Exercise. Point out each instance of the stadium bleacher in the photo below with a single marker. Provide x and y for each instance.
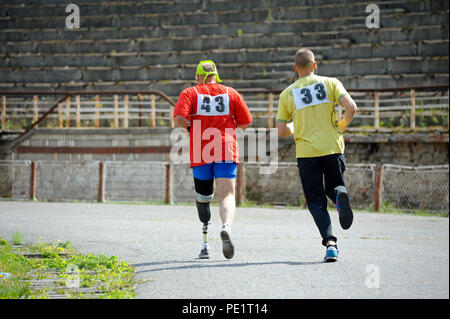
(155, 45)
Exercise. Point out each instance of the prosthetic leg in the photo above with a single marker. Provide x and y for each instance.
(204, 214)
(205, 194)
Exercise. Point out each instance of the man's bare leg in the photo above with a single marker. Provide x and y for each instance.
(227, 200)
(227, 210)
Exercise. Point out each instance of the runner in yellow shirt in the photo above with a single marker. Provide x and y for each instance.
(310, 103)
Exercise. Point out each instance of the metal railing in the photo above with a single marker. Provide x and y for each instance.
(401, 109)
(421, 108)
(69, 112)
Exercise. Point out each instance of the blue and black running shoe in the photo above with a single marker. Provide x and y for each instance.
(331, 254)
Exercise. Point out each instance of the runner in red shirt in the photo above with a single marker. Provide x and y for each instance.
(211, 112)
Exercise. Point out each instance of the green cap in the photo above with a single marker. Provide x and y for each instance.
(201, 71)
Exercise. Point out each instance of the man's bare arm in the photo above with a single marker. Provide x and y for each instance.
(181, 121)
(244, 126)
(284, 129)
(350, 111)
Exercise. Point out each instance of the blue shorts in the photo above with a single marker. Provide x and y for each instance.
(214, 170)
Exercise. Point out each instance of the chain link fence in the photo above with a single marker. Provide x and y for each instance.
(402, 187)
(15, 179)
(284, 187)
(415, 188)
(183, 190)
(281, 188)
(360, 184)
(67, 181)
(135, 181)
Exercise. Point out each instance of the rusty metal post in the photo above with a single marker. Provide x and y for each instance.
(448, 103)
(101, 187)
(270, 115)
(378, 188)
(413, 109)
(116, 111)
(168, 198)
(97, 106)
(377, 110)
(153, 114)
(33, 181)
(35, 108)
(125, 106)
(68, 112)
(140, 110)
(78, 115)
(4, 112)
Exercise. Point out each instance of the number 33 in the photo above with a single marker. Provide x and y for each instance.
(319, 90)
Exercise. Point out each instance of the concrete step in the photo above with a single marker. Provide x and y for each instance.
(174, 87)
(373, 67)
(239, 55)
(357, 32)
(243, 41)
(243, 71)
(334, 12)
(46, 8)
(42, 8)
(163, 44)
(300, 25)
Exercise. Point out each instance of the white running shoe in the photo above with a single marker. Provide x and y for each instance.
(227, 244)
(204, 252)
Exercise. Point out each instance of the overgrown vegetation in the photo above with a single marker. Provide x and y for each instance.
(19, 267)
(68, 274)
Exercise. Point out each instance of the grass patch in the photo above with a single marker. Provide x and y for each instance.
(17, 238)
(19, 267)
(68, 273)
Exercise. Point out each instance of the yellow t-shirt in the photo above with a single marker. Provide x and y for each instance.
(310, 102)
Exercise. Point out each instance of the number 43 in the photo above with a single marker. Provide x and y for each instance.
(206, 104)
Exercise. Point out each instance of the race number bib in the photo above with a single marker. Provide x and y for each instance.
(213, 105)
(310, 95)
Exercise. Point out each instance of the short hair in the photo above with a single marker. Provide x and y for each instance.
(304, 58)
(208, 67)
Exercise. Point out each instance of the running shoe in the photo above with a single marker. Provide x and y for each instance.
(227, 245)
(204, 252)
(331, 254)
(344, 210)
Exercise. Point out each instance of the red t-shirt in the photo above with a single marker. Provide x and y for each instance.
(214, 111)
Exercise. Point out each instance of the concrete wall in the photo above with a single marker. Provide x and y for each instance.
(149, 45)
(154, 145)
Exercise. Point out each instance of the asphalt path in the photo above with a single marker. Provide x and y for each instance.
(278, 251)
